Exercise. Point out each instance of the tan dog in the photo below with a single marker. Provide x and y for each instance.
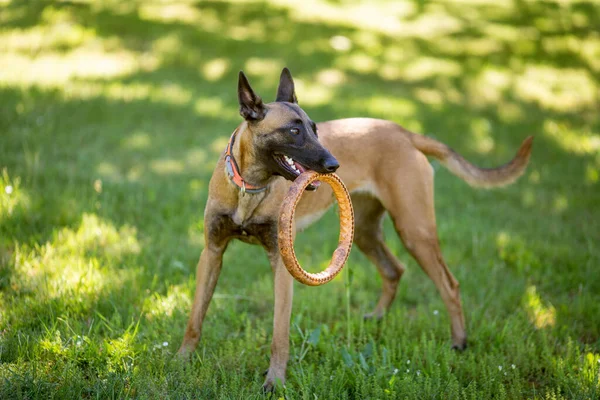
(384, 167)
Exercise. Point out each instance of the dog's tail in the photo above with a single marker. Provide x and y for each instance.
(473, 175)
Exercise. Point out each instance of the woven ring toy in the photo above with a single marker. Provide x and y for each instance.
(286, 227)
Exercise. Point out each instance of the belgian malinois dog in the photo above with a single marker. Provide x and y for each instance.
(384, 167)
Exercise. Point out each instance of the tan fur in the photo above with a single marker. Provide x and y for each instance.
(385, 168)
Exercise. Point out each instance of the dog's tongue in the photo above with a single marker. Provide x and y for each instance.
(300, 168)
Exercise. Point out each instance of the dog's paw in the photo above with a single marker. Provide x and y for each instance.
(268, 387)
(273, 381)
(184, 354)
(375, 316)
(462, 346)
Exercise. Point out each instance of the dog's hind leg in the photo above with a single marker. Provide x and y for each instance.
(425, 248)
(368, 236)
(409, 200)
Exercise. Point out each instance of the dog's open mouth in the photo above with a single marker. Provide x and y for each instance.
(294, 168)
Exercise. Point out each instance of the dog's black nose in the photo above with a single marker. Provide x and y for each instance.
(331, 164)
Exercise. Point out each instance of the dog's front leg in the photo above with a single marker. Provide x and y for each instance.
(280, 346)
(207, 274)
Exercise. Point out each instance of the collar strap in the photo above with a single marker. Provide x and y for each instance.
(233, 171)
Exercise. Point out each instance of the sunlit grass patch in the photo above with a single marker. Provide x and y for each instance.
(592, 369)
(540, 315)
(425, 67)
(166, 166)
(182, 12)
(483, 138)
(331, 77)
(314, 93)
(490, 85)
(388, 107)
(592, 173)
(573, 140)
(382, 19)
(98, 237)
(51, 69)
(158, 306)
(214, 70)
(213, 107)
(13, 197)
(72, 266)
(516, 252)
(137, 140)
(559, 90)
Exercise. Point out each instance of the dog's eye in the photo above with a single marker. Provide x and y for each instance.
(294, 131)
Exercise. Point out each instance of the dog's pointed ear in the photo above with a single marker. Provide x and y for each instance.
(251, 105)
(286, 91)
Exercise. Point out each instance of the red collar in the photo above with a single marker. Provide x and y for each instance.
(233, 170)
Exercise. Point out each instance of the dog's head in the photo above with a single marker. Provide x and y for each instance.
(284, 138)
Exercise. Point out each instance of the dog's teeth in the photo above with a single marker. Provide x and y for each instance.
(291, 163)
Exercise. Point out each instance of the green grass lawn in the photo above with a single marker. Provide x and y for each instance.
(113, 116)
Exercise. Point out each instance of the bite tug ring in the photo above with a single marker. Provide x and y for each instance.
(286, 227)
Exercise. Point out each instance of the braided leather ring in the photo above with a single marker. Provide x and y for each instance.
(286, 226)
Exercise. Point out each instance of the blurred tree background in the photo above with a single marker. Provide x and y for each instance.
(113, 115)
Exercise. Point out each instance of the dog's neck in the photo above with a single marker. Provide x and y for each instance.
(251, 172)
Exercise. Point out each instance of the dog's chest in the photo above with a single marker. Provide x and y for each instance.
(253, 220)
(255, 232)
(246, 207)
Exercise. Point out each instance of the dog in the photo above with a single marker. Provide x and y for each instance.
(384, 167)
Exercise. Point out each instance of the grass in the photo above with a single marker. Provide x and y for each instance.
(113, 116)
